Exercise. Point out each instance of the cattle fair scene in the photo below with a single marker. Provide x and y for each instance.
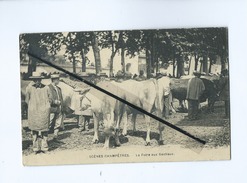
(125, 96)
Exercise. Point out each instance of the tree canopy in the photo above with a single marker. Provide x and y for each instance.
(160, 46)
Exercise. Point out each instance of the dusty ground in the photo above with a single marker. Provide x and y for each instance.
(213, 128)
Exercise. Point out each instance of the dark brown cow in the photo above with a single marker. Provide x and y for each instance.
(179, 91)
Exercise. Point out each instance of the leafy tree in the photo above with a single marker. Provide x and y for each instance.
(113, 40)
(43, 45)
(77, 47)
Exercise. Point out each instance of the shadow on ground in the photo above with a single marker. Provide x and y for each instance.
(143, 134)
(26, 144)
(56, 143)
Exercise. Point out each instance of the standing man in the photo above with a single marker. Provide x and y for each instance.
(82, 111)
(37, 99)
(56, 100)
(164, 83)
(195, 90)
(224, 91)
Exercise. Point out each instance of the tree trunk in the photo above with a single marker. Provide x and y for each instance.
(111, 65)
(148, 63)
(157, 66)
(196, 62)
(32, 64)
(180, 68)
(174, 66)
(152, 54)
(113, 52)
(189, 64)
(210, 66)
(111, 60)
(201, 65)
(83, 64)
(122, 43)
(96, 52)
(223, 62)
(73, 63)
(123, 60)
(205, 64)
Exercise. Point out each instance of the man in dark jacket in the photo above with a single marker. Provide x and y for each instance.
(56, 100)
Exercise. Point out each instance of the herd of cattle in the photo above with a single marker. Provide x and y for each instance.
(147, 94)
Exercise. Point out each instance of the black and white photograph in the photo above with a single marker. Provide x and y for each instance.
(123, 91)
(125, 96)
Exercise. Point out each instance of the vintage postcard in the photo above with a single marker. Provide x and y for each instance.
(125, 96)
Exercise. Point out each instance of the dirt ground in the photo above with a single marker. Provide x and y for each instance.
(214, 128)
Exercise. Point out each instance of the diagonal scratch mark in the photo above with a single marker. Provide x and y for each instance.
(120, 99)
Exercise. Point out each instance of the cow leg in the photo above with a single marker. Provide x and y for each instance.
(161, 129)
(211, 105)
(117, 141)
(125, 123)
(96, 129)
(147, 119)
(107, 142)
(109, 127)
(186, 105)
(133, 119)
(172, 107)
(181, 103)
(118, 120)
(164, 108)
(161, 126)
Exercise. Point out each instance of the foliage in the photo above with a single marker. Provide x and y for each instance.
(160, 46)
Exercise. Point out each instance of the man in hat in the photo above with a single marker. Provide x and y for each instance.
(141, 76)
(37, 99)
(56, 100)
(224, 91)
(165, 83)
(194, 91)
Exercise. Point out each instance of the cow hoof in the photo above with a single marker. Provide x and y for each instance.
(161, 142)
(117, 145)
(95, 141)
(147, 144)
(124, 134)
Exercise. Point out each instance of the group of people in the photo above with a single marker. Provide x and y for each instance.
(46, 113)
(45, 110)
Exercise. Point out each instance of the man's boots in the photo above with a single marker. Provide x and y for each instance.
(35, 141)
(44, 142)
(56, 134)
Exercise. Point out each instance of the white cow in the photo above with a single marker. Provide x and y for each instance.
(148, 95)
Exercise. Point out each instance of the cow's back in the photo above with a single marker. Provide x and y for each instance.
(100, 100)
(179, 88)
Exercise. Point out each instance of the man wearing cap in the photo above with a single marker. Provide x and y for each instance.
(37, 99)
(194, 91)
(56, 100)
